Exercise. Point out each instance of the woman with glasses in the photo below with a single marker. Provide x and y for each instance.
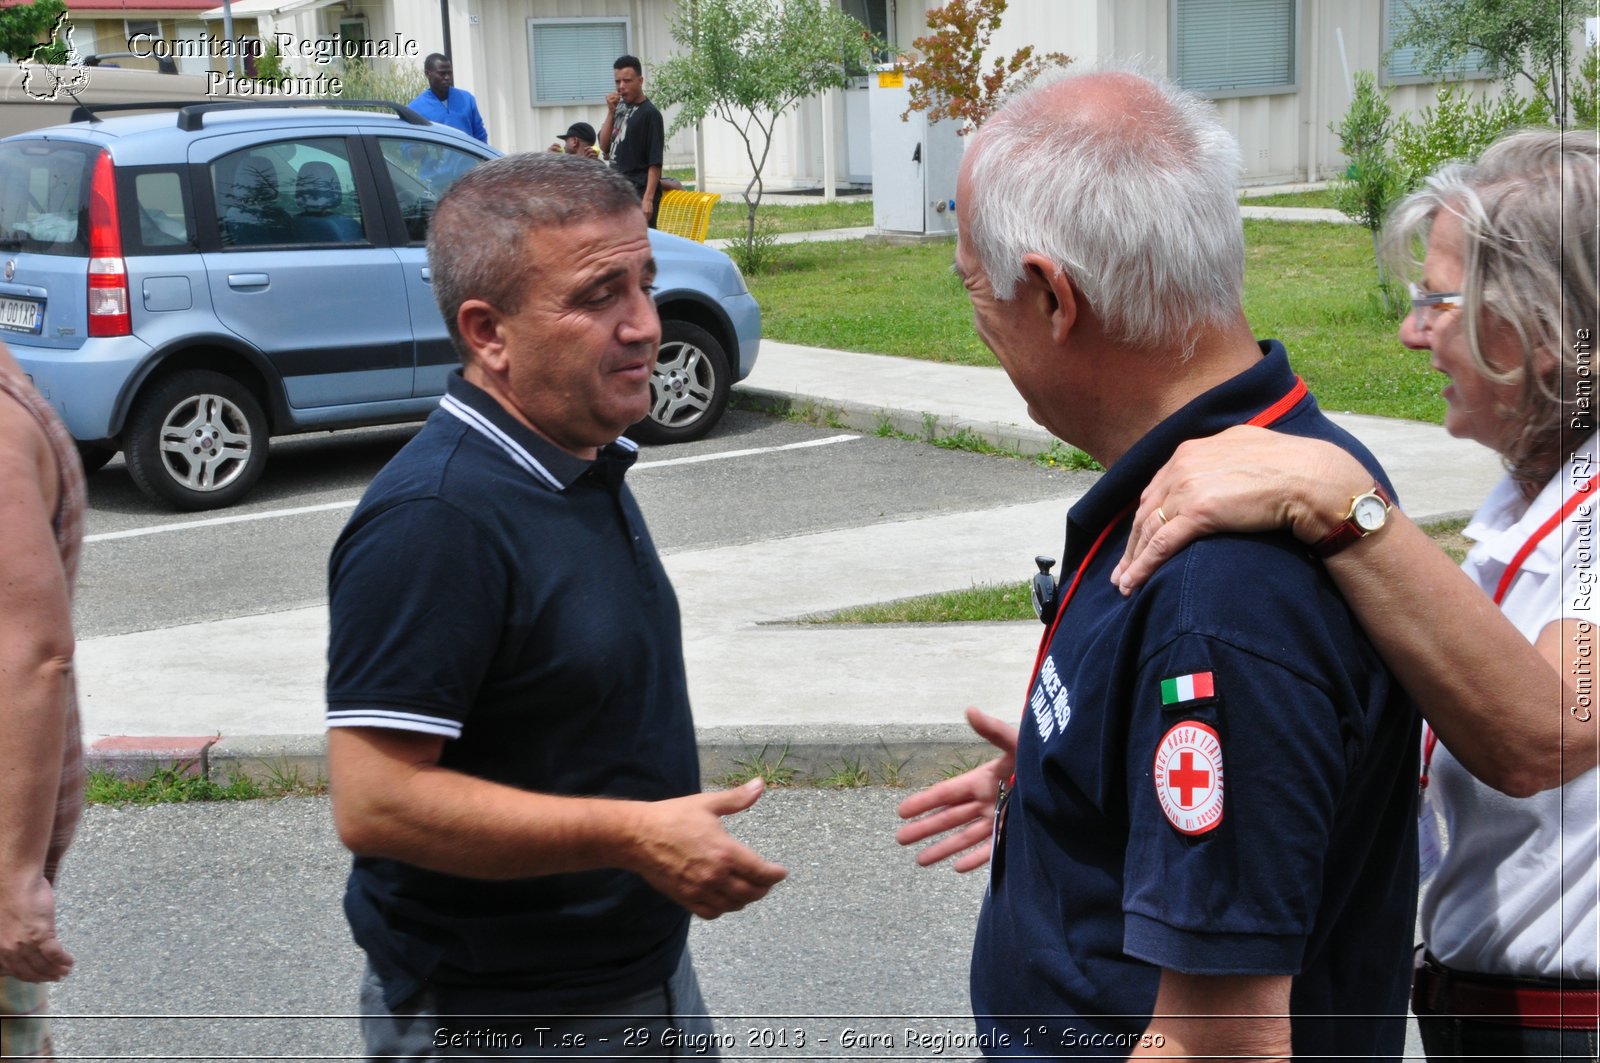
(1500, 654)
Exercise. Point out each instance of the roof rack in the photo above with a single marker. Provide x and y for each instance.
(191, 112)
(192, 116)
(89, 112)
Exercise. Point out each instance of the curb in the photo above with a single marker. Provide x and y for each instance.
(861, 417)
(887, 754)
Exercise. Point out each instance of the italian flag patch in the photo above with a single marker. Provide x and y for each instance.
(1191, 687)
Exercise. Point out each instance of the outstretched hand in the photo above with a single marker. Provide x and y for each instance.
(29, 949)
(1245, 479)
(687, 855)
(963, 805)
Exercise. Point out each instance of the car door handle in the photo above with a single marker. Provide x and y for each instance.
(427, 275)
(247, 280)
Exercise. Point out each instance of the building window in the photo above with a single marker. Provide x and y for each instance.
(1234, 47)
(572, 58)
(1403, 66)
(875, 16)
(354, 29)
(149, 27)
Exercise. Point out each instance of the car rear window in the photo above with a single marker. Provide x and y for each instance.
(44, 196)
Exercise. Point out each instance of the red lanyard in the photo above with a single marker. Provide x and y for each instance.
(1266, 417)
(1583, 491)
(1509, 576)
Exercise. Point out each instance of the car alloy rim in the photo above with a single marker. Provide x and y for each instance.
(205, 442)
(683, 380)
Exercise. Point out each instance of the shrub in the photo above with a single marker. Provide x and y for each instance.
(948, 79)
(1459, 126)
(1586, 92)
(270, 66)
(394, 80)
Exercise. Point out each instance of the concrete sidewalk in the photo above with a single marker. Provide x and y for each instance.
(885, 696)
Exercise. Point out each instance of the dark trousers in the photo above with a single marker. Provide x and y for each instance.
(1445, 1002)
(667, 1022)
(1453, 1037)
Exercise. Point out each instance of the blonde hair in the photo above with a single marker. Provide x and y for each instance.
(1529, 211)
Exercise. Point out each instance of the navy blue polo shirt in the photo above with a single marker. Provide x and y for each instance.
(497, 591)
(1215, 775)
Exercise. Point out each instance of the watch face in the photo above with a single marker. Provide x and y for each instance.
(1370, 513)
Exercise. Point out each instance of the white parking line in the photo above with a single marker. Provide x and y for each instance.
(743, 453)
(212, 522)
(271, 514)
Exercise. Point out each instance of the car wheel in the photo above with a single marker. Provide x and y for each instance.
(198, 440)
(689, 388)
(94, 457)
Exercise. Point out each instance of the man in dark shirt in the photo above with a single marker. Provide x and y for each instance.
(633, 135)
(512, 755)
(1204, 843)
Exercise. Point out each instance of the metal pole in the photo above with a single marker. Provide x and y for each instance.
(444, 24)
(227, 34)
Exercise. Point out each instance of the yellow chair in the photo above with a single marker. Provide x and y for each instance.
(684, 213)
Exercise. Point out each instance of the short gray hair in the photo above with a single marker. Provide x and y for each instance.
(1529, 211)
(1139, 208)
(478, 239)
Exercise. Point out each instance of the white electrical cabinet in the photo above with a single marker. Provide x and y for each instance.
(914, 162)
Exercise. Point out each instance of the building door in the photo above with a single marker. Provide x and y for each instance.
(192, 59)
(878, 17)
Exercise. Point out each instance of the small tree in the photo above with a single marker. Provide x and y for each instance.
(1373, 182)
(23, 25)
(948, 79)
(748, 61)
(1527, 37)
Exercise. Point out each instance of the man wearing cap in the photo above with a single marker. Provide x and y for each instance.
(577, 140)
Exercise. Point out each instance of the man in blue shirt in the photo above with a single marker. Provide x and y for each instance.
(510, 747)
(446, 104)
(1202, 840)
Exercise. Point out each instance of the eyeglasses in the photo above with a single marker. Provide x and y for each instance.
(1426, 304)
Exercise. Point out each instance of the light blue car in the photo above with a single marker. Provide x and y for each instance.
(182, 285)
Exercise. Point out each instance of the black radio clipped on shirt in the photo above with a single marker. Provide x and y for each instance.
(1044, 590)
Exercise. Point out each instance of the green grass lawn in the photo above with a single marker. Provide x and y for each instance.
(1310, 285)
(1320, 198)
(728, 216)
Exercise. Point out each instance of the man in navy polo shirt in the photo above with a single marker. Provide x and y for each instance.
(512, 756)
(1212, 806)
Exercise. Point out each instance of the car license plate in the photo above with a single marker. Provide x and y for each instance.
(21, 315)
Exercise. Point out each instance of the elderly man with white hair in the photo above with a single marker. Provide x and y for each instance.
(1202, 841)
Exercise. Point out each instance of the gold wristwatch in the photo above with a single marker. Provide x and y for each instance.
(1369, 512)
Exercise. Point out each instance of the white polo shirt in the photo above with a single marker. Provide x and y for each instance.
(1516, 890)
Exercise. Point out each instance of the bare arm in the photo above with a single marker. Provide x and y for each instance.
(392, 799)
(651, 182)
(964, 805)
(1188, 1022)
(606, 127)
(36, 649)
(1497, 701)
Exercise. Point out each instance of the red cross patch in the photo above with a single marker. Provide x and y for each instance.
(1188, 772)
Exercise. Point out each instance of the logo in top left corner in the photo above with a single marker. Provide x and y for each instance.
(56, 67)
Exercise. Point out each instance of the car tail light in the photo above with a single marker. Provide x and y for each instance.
(108, 273)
